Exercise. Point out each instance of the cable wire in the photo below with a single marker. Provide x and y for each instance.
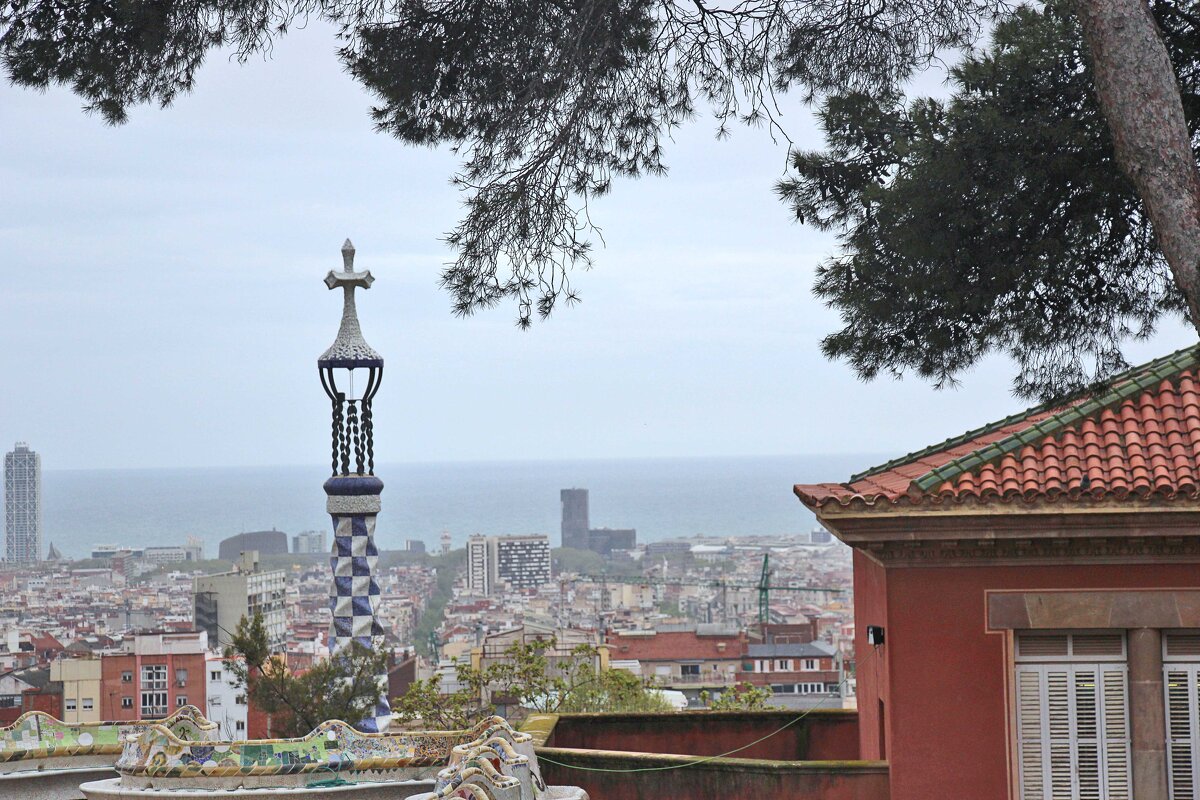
(699, 760)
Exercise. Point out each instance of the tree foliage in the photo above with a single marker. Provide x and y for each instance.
(740, 697)
(547, 101)
(344, 687)
(424, 704)
(536, 676)
(447, 566)
(997, 220)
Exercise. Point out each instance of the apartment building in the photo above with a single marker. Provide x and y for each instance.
(309, 543)
(222, 600)
(226, 701)
(156, 674)
(507, 562)
(81, 681)
(800, 675)
(690, 659)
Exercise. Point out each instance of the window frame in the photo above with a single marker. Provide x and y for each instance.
(155, 703)
(1072, 727)
(154, 677)
(1181, 711)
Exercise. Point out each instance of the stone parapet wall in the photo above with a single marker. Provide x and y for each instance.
(612, 774)
(814, 735)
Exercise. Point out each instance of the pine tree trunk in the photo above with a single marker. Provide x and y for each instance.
(1140, 98)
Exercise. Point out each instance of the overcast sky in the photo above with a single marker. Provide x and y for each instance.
(162, 303)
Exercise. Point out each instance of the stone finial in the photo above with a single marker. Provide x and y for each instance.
(349, 350)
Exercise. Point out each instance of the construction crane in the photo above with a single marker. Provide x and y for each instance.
(763, 587)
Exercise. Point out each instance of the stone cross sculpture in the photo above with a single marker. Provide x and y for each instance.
(353, 490)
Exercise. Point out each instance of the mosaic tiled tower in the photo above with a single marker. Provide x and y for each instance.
(353, 490)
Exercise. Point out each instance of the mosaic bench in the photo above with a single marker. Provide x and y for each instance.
(331, 758)
(497, 767)
(38, 741)
(489, 761)
(43, 758)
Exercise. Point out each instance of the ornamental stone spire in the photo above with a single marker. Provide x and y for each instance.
(353, 490)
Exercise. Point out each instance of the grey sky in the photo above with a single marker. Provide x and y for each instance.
(162, 302)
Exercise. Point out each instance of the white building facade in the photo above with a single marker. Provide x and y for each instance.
(513, 562)
(226, 701)
(478, 566)
(309, 543)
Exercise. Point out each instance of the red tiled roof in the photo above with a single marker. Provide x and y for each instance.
(676, 646)
(44, 641)
(1141, 437)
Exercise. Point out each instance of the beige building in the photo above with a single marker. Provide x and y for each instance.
(80, 679)
(221, 600)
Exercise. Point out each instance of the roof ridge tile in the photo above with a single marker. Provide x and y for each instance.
(1193, 356)
(1130, 384)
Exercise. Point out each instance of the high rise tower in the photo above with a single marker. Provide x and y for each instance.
(574, 518)
(353, 490)
(22, 505)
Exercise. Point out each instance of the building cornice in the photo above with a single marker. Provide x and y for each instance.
(1034, 552)
(1095, 533)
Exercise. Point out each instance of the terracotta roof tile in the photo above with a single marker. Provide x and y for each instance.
(677, 645)
(1141, 436)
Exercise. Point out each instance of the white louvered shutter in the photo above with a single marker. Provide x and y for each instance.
(1029, 733)
(1118, 774)
(1181, 694)
(1180, 689)
(1073, 718)
(1058, 719)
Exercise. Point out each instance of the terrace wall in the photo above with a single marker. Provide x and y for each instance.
(820, 735)
(633, 756)
(609, 774)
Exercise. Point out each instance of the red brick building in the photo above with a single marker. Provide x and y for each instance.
(159, 673)
(697, 656)
(29, 689)
(47, 697)
(1027, 599)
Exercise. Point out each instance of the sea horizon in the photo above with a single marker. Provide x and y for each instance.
(662, 497)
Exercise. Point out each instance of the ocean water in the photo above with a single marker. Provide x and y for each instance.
(661, 498)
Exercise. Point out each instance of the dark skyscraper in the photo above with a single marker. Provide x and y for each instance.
(575, 518)
(576, 530)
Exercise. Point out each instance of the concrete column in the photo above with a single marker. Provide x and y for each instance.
(1147, 724)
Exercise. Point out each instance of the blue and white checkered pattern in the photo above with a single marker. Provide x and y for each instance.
(355, 600)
